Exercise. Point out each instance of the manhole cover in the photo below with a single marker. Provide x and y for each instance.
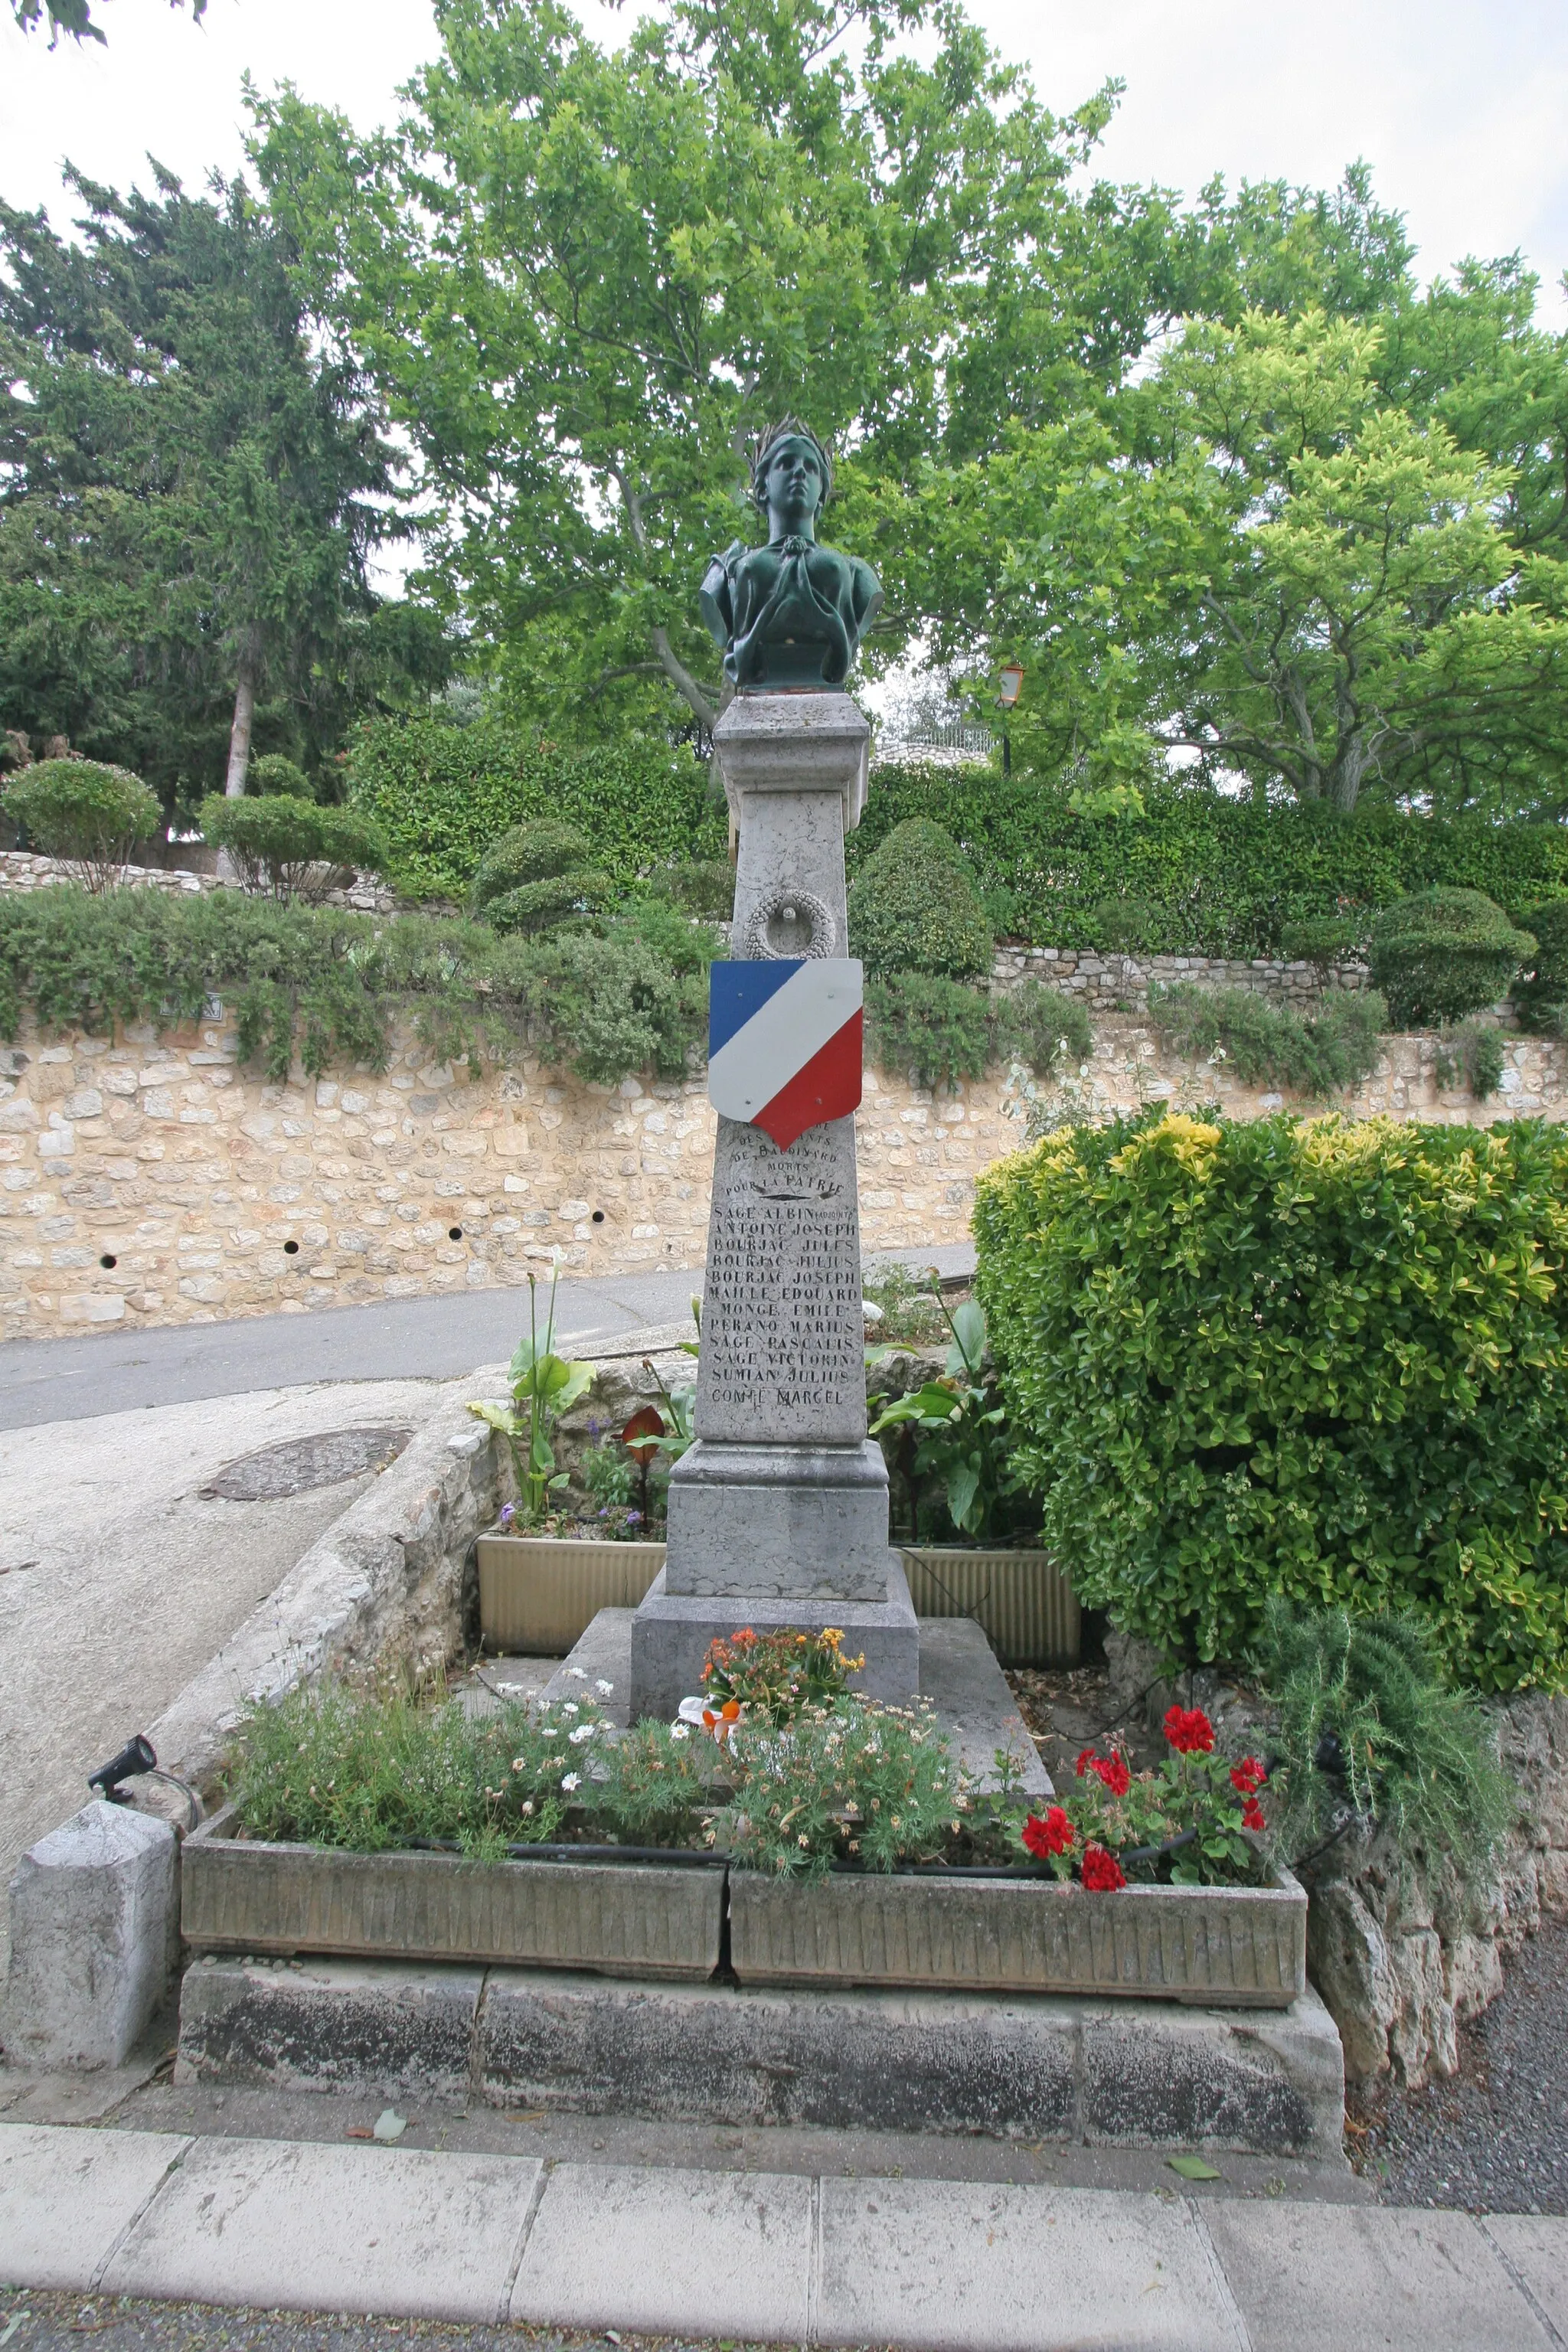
(301, 1463)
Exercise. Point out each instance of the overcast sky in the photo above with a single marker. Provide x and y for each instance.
(1458, 105)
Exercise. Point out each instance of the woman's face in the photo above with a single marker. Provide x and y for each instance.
(793, 483)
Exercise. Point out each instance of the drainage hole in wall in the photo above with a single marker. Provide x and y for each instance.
(454, 1233)
(109, 1262)
(598, 1216)
(290, 1249)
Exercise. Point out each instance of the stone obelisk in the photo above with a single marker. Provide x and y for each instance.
(778, 1514)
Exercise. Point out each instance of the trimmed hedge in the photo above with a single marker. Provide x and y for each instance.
(442, 794)
(1442, 954)
(289, 848)
(1303, 1357)
(913, 909)
(1225, 877)
(89, 815)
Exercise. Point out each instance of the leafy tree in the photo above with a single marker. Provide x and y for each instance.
(187, 488)
(588, 278)
(1262, 560)
(75, 17)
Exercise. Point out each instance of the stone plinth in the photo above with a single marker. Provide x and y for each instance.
(94, 1932)
(778, 1515)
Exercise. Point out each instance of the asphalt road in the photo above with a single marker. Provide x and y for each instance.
(408, 1339)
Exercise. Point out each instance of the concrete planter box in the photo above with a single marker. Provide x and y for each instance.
(1021, 1600)
(1220, 1946)
(539, 1595)
(615, 1918)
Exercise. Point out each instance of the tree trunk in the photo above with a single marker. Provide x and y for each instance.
(239, 733)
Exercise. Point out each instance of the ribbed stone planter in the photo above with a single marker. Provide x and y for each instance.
(539, 1595)
(1021, 1600)
(1221, 1946)
(615, 1918)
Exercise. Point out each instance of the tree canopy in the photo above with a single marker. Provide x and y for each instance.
(75, 17)
(191, 483)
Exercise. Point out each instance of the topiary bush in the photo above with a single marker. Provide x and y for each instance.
(537, 876)
(1541, 999)
(1442, 954)
(88, 815)
(915, 909)
(286, 848)
(1302, 1356)
(1267, 1043)
(936, 1030)
(698, 886)
(271, 772)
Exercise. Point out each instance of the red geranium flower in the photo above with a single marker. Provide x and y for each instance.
(1101, 1872)
(1248, 1776)
(1189, 1731)
(1053, 1835)
(1113, 1772)
(1084, 1762)
(1252, 1815)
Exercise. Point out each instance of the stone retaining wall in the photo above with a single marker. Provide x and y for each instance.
(20, 871)
(215, 1194)
(1121, 983)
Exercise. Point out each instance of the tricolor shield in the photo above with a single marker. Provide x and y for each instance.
(784, 1041)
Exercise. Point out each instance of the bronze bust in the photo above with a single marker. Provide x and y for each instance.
(791, 613)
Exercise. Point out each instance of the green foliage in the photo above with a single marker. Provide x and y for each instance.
(1040, 1026)
(1541, 999)
(88, 815)
(1440, 954)
(959, 1425)
(544, 1386)
(274, 771)
(1224, 875)
(701, 886)
(1471, 1055)
(541, 906)
(540, 852)
(1268, 1044)
(937, 1029)
(604, 1006)
(443, 794)
(855, 1781)
(910, 1304)
(1313, 1358)
(1123, 925)
(1323, 940)
(287, 849)
(1365, 1722)
(913, 909)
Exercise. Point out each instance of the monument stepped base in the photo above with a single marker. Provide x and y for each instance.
(952, 1664)
(1096, 2073)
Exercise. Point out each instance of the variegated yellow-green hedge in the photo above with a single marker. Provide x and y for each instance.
(1307, 1357)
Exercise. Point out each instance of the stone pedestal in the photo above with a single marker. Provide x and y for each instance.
(778, 1515)
(94, 1935)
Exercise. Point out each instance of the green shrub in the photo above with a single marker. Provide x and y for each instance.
(1040, 1026)
(286, 848)
(1323, 941)
(1307, 1357)
(272, 772)
(1542, 999)
(609, 1004)
(1364, 1723)
(88, 815)
(541, 906)
(1226, 875)
(1471, 1056)
(938, 1030)
(1268, 1044)
(1442, 954)
(442, 793)
(1126, 926)
(539, 852)
(914, 908)
(701, 886)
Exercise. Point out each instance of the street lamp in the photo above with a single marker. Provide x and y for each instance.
(1011, 687)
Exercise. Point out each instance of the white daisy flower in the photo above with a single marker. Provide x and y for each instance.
(584, 1731)
(604, 1689)
(681, 1731)
(572, 1781)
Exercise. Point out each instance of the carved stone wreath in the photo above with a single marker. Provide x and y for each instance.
(804, 904)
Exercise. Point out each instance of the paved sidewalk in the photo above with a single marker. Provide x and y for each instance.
(414, 1338)
(770, 2257)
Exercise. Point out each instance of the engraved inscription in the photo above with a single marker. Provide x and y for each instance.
(782, 1331)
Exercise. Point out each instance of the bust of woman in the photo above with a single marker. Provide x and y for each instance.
(790, 614)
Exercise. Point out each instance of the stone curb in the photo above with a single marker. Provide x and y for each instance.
(936, 2266)
(384, 1582)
